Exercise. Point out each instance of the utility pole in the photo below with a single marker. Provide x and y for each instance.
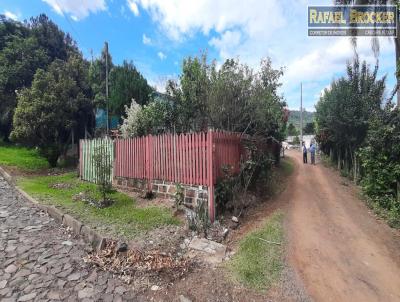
(106, 49)
(91, 54)
(301, 115)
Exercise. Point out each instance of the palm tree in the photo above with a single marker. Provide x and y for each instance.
(375, 40)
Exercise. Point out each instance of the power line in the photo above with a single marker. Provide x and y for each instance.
(65, 15)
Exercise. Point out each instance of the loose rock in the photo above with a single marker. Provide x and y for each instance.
(11, 269)
(155, 287)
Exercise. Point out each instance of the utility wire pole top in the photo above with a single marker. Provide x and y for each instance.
(106, 49)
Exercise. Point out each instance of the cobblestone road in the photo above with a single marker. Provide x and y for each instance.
(40, 262)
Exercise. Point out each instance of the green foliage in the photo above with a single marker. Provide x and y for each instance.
(258, 263)
(309, 128)
(153, 118)
(233, 98)
(380, 158)
(22, 158)
(126, 83)
(291, 130)
(343, 111)
(199, 220)
(294, 118)
(24, 48)
(122, 218)
(97, 78)
(231, 190)
(357, 133)
(57, 103)
(103, 172)
(179, 196)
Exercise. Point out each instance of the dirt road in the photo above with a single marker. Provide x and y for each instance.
(336, 246)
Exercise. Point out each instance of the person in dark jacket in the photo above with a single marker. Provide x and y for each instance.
(304, 153)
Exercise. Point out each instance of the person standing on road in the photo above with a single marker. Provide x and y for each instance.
(304, 153)
(312, 152)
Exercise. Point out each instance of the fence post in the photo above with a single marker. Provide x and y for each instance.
(149, 164)
(210, 175)
(80, 159)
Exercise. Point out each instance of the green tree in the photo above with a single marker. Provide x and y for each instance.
(25, 47)
(291, 130)
(19, 60)
(126, 83)
(380, 161)
(158, 116)
(232, 98)
(54, 41)
(343, 112)
(309, 128)
(375, 40)
(192, 93)
(53, 107)
(103, 175)
(97, 78)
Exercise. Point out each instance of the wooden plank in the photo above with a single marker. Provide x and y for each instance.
(210, 176)
(168, 140)
(185, 144)
(189, 151)
(196, 157)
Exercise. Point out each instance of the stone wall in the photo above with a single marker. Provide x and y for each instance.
(193, 195)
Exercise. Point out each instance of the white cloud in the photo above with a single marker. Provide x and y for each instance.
(235, 28)
(324, 62)
(161, 55)
(327, 60)
(77, 9)
(254, 29)
(181, 17)
(228, 41)
(11, 15)
(133, 7)
(146, 40)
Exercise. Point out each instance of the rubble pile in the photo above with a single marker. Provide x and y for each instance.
(131, 262)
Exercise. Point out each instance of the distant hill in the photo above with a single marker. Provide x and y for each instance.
(294, 117)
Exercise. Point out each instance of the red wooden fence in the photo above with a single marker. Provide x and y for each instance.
(193, 158)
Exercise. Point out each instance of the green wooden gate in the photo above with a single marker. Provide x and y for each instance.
(87, 166)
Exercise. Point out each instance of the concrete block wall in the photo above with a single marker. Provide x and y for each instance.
(193, 195)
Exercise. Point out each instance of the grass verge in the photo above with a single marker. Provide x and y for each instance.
(277, 182)
(258, 264)
(287, 166)
(122, 218)
(22, 158)
(392, 217)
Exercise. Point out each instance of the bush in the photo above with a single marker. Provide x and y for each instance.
(380, 162)
(236, 192)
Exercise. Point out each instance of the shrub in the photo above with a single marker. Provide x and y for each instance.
(103, 174)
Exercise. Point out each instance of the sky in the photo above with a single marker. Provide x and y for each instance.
(156, 35)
